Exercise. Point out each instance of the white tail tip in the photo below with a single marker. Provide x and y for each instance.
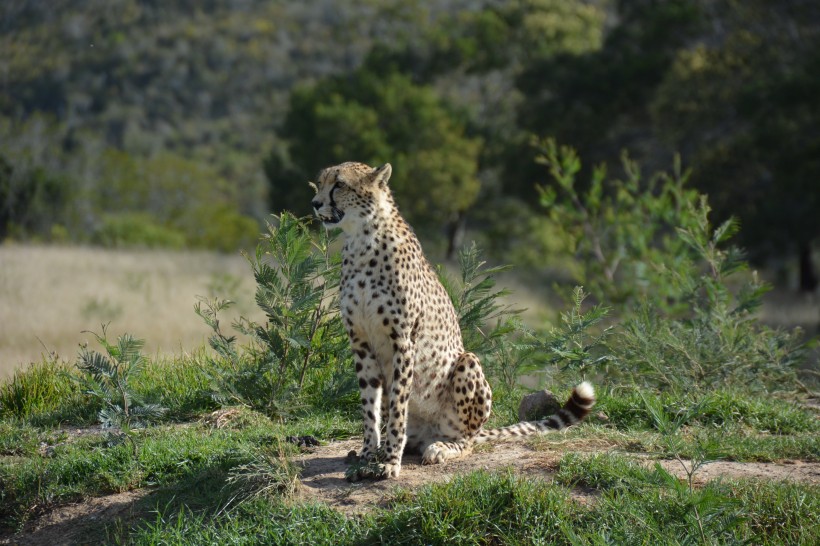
(585, 390)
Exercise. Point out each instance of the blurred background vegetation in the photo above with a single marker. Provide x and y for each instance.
(183, 123)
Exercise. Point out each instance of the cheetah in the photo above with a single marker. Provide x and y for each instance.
(418, 386)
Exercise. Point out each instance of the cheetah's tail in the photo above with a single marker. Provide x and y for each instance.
(577, 407)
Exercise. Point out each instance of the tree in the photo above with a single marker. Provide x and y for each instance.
(745, 110)
(376, 118)
(595, 100)
(31, 200)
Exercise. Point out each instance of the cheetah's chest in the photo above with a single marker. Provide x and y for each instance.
(371, 302)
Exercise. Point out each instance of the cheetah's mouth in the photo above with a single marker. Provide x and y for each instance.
(335, 217)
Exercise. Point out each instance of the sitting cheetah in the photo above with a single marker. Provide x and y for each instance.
(414, 375)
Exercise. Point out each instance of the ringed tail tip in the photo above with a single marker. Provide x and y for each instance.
(586, 390)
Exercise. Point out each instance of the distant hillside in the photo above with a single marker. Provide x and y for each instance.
(101, 97)
(198, 77)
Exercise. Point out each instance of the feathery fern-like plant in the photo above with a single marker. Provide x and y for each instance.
(300, 355)
(107, 378)
(490, 328)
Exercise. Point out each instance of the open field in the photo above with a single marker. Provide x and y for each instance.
(50, 294)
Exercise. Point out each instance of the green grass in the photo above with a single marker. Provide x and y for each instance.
(18, 439)
(204, 483)
(628, 410)
(171, 456)
(167, 457)
(44, 394)
(633, 506)
(726, 443)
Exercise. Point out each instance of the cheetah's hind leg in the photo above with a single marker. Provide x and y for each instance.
(472, 399)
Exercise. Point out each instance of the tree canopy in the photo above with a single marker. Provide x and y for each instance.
(377, 118)
(255, 96)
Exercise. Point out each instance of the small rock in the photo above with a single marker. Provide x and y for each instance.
(352, 457)
(47, 450)
(538, 405)
(303, 441)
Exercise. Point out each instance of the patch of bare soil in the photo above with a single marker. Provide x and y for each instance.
(78, 523)
(323, 474)
(322, 480)
(798, 471)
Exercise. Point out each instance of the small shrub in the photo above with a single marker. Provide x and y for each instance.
(684, 297)
(507, 348)
(107, 379)
(616, 229)
(301, 354)
(717, 342)
(489, 328)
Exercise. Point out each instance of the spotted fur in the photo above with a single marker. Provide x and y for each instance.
(420, 391)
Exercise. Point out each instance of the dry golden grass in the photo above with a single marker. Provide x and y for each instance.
(49, 295)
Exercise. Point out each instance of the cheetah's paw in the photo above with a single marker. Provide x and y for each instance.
(434, 454)
(372, 470)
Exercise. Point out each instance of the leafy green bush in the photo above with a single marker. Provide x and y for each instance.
(301, 354)
(717, 341)
(136, 229)
(684, 298)
(489, 328)
(617, 229)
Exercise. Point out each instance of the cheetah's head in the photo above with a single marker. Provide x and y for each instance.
(351, 194)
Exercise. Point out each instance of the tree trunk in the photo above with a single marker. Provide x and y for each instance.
(455, 233)
(808, 277)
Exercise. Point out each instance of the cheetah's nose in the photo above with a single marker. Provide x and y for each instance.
(316, 204)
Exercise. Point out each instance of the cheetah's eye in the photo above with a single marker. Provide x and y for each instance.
(338, 185)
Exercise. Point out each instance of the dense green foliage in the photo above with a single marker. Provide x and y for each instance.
(122, 111)
(295, 357)
(377, 117)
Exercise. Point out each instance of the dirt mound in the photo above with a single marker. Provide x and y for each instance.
(323, 474)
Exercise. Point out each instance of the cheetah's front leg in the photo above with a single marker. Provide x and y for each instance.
(397, 400)
(370, 390)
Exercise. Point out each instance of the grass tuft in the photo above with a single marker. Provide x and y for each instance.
(269, 473)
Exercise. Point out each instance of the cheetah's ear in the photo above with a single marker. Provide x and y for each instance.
(381, 175)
